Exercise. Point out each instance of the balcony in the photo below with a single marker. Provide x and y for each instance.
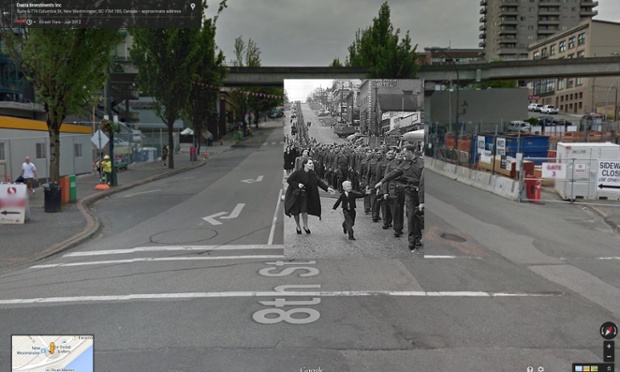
(508, 31)
(509, 11)
(547, 31)
(483, 2)
(483, 19)
(588, 12)
(483, 10)
(482, 36)
(550, 11)
(483, 27)
(548, 21)
(508, 21)
(482, 44)
(587, 3)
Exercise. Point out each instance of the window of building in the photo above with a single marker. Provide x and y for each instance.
(571, 42)
(552, 50)
(41, 152)
(581, 54)
(2, 156)
(562, 46)
(536, 55)
(560, 84)
(580, 105)
(561, 98)
(580, 95)
(581, 38)
(579, 81)
(530, 28)
(543, 53)
(571, 95)
(570, 55)
(77, 150)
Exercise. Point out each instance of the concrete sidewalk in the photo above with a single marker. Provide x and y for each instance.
(49, 233)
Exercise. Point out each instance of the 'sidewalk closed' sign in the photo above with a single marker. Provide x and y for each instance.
(13, 203)
(608, 175)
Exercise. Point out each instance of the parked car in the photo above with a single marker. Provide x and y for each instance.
(549, 109)
(546, 121)
(538, 107)
(519, 126)
(532, 106)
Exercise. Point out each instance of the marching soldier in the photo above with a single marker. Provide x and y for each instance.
(411, 172)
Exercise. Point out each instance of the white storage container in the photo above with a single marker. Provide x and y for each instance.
(584, 169)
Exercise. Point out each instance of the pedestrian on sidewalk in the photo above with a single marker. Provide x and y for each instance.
(29, 174)
(347, 198)
(106, 167)
(302, 195)
(164, 154)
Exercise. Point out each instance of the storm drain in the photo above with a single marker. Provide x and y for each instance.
(453, 237)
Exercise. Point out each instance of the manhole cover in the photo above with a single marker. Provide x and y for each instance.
(453, 237)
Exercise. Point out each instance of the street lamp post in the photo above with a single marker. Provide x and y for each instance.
(458, 98)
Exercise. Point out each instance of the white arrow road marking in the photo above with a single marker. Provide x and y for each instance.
(211, 219)
(250, 180)
(235, 213)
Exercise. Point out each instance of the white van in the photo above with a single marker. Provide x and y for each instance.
(519, 126)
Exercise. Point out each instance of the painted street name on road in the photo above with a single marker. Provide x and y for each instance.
(276, 314)
(259, 179)
(608, 175)
(234, 214)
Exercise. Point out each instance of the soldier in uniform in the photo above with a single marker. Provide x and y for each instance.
(373, 178)
(386, 208)
(411, 172)
(363, 172)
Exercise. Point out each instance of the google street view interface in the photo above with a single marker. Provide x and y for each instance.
(47, 353)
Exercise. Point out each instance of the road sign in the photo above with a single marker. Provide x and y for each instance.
(580, 171)
(501, 146)
(99, 139)
(13, 203)
(554, 170)
(608, 175)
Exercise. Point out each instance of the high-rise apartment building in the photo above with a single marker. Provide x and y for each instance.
(508, 26)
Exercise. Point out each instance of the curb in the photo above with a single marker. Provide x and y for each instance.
(92, 221)
(606, 218)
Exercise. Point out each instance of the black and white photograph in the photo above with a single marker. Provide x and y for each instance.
(364, 139)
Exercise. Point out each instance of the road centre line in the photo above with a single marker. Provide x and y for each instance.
(275, 219)
(174, 248)
(245, 294)
(154, 259)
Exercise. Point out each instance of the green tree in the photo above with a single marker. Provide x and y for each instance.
(65, 67)
(379, 49)
(166, 61)
(211, 71)
(336, 63)
(252, 99)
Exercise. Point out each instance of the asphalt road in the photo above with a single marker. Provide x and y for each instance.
(503, 286)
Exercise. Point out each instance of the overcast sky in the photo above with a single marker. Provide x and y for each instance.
(314, 32)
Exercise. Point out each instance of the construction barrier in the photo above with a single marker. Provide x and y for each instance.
(501, 186)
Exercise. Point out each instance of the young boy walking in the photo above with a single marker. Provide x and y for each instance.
(347, 198)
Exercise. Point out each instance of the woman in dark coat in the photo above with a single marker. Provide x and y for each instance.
(302, 195)
(289, 159)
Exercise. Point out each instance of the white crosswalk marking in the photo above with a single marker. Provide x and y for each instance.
(191, 295)
(216, 252)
